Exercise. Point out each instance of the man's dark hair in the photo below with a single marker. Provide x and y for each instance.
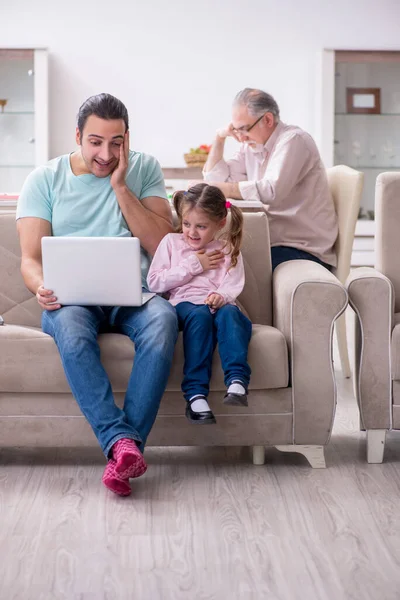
(103, 106)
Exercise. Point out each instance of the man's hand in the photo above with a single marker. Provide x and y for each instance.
(214, 301)
(46, 299)
(211, 260)
(119, 174)
(227, 131)
(217, 149)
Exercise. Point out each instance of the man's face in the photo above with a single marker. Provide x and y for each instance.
(100, 144)
(243, 121)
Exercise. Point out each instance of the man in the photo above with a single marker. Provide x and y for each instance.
(103, 189)
(280, 166)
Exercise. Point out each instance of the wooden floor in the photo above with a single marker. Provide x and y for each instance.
(204, 524)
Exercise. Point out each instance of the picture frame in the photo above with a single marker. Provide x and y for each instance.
(363, 101)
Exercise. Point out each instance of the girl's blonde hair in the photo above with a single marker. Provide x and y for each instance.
(210, 200)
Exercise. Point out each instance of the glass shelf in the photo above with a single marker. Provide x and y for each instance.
(17, 112)
(368, 114)
(23, 115)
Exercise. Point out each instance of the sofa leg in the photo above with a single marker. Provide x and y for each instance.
(258, 455)
(314, 454)
(375, 445)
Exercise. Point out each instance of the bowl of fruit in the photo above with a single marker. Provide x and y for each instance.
(197, 157)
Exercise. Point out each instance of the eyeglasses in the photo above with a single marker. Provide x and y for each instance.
(244, 130)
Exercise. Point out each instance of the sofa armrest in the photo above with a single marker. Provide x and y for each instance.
(371, 296)
(307, 300)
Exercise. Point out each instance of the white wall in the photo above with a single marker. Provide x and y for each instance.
(177, 64)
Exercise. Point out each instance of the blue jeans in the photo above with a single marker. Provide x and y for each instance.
(280, 254)
(153, 329)
(201, 332)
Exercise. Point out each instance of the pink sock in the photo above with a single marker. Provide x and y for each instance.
(129, 460)
(113, 482)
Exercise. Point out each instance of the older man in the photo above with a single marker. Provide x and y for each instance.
(280, 166)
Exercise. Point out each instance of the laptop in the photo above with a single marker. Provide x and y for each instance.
(94, 271)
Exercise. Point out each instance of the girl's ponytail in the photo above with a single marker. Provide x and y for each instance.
(177, 199)
(235, 233)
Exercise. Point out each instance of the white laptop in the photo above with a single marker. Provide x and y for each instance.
(102, 271)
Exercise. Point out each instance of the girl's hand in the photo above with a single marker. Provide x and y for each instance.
(212, 260)
(214, 300)
(119, 174)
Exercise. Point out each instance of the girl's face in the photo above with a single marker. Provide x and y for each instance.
(198, 229)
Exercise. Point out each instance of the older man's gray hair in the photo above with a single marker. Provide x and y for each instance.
(257, 102)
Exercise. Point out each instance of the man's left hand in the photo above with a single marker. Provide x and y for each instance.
(119, 174)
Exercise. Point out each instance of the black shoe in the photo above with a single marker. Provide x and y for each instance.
(205, 417)
(235, 399)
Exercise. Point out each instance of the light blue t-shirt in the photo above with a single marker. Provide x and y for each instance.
(86, 205)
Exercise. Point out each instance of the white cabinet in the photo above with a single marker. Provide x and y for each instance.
(367, 137)
(368, 141)
(23, 116)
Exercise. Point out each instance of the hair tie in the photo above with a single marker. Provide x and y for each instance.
(228, 204)
(185, 193)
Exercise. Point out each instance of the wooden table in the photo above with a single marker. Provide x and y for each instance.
(182, 172)
(248, 205)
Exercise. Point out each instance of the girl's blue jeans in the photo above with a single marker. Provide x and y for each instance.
(202, 330)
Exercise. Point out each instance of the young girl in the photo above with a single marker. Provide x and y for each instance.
(203, 275)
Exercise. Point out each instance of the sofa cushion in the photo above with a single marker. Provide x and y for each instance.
(395, 348)
(17, 304)
(30, 361)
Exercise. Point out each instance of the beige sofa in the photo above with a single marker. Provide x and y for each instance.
(375, 296)
(293, 318)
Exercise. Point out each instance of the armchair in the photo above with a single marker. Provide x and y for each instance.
(375, 296)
